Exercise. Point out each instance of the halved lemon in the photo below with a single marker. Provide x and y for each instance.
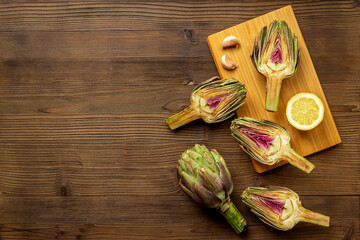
(305, 111)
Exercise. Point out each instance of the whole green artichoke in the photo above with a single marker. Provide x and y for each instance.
(205, 178)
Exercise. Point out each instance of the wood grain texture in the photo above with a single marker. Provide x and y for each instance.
(86, 86)
(305, 80)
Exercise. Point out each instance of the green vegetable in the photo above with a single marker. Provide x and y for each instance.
(280, 207)
(267, 142)
(214, 101)
(276, 56)
(205, 178)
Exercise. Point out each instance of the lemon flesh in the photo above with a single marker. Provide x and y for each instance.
(305, 111)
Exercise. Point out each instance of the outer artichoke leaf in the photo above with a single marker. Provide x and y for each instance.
(209, 199)
(206, 83)
(275, 125)
(187, 180)
(190, 193)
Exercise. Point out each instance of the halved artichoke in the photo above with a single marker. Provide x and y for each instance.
(214, 101)
(280, 207)
(267, 142)
(276, 56)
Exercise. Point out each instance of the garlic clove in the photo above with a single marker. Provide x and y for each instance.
(230, 41)
(227, 63)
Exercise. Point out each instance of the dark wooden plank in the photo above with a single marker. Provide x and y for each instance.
(102, 45)
(188, 231)
(156, 209)
(171, 213)
(20, 74)
(124, 156)
(144, 15)
(170, 220)
(126, 99)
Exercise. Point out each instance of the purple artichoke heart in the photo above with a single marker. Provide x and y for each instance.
(280, 207)
(205, 178)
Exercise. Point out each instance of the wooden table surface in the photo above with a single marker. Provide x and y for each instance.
(85, 89)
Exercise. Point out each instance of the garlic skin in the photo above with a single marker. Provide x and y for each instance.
(230, 41)
(227, 63)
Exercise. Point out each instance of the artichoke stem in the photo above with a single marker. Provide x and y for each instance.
(273, 87)
(185, 116)
(233, 216)
(313, 217)
(298, 161)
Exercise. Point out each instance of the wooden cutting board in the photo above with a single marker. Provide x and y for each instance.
(304, 80)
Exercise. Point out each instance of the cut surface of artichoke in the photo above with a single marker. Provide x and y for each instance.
(267, 142)
(276, 56)
(213, 101)
(280, 207)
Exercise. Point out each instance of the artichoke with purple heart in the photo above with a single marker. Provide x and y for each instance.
(267, 142)
(280, 207)
(276, 56)
(213, 101)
